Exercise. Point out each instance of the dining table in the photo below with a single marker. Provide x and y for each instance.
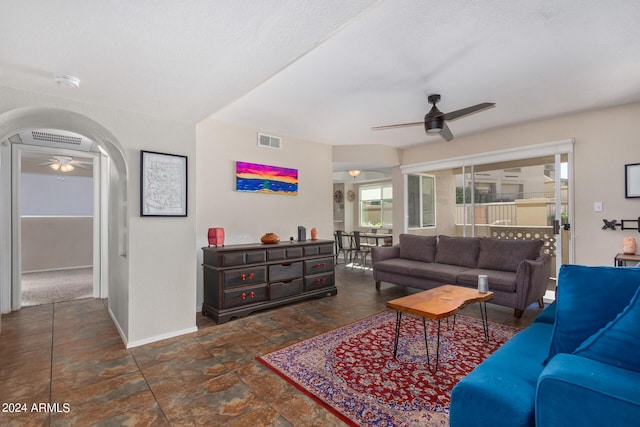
(379, 239)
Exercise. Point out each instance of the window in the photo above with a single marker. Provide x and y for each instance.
(422, 201)
(376, 205)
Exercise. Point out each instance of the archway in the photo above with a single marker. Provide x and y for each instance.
(114, 228)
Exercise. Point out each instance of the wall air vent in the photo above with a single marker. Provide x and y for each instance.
(52, 137)
(269, 141)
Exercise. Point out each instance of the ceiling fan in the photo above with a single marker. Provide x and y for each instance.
(66, 163)
(435, 120)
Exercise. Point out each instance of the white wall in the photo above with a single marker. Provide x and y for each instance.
(152, 288)
(605, 140)
(246, 217)
(56, 242)
(56, 195)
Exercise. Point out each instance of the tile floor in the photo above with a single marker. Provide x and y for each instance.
(70, 356)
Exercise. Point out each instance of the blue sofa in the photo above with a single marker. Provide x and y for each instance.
(578, 364)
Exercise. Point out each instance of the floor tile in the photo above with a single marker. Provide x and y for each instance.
(71, 353)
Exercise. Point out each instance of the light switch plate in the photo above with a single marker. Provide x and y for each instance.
(597, 206)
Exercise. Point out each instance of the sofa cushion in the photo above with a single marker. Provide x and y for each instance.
(506, 255)
(502, 281)
(587, 299)
(419, 248)
(461, 251)
(397, 265)
(618, 343)
(443, 273)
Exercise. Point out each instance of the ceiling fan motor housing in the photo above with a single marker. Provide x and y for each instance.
(433, 124)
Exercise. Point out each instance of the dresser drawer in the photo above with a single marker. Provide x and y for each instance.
(239, 258)
(279, 254)
(244, 276)
(318, 250)
(285, 289)
(245, 295)
(320, 265)
(284, 272)
(318, 281)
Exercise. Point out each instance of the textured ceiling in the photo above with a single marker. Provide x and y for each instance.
(328, 71)
(170, 58)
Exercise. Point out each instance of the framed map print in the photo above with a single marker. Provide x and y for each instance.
(163, 184)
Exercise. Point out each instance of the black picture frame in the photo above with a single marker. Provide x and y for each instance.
(632, 181)
(163, 184)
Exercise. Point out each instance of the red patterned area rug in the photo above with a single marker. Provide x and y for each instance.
(352, 371)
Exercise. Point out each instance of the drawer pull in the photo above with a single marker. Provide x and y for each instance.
(244, 295)
(243, 276)
(251, 275)
(324, 265)
(318, 265)
(318, 281)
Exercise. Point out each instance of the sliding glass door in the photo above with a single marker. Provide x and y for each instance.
(522, 192)
(517, 200)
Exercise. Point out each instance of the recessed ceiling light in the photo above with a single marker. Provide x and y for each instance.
(69, 81)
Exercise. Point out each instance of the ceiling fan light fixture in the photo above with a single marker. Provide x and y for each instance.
(433, 124)
(55, 166)
(354, 172)
(66, 167)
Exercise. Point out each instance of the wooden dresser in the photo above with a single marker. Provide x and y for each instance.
(240, 279)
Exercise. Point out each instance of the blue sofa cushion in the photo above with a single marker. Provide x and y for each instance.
(418, 248)
(576, 391)
(462, 251)
(506, 255)
(618, 343)
(588, 298)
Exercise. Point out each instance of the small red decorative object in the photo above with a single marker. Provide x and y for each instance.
(216, 236)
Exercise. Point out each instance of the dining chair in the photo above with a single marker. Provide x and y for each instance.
(359, 249)
(340, 247)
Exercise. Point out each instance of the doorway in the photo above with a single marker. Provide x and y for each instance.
(56, 217)
(57, 221)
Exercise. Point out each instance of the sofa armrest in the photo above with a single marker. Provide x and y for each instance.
(380, 253)
(576, 391)
(532, 278)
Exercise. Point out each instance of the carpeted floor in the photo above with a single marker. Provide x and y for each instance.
(46, 287)
(352, 371)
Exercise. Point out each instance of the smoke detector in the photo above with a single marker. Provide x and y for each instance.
(68, 81)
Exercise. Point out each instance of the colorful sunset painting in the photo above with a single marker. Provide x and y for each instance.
(255, 178)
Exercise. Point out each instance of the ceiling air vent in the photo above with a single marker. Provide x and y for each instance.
(268, 141)
(57, 138)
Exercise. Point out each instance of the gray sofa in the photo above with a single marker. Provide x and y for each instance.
(518, 273)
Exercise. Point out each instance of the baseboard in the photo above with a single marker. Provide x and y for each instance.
(118, 328)
(148, 340)
(161, 337)
(58, 269)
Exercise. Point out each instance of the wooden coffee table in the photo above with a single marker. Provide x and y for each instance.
(437, 304)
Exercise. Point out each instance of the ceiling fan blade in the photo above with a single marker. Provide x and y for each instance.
(81, 165)
(469, 110)
(445, 133)
(397, 126)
